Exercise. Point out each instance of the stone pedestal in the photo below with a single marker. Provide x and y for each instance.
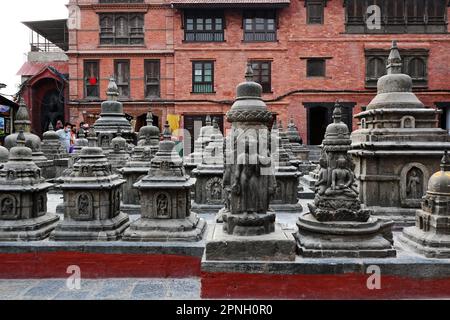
(165, 195)
(23, 197)
(91, 201)
(397, 147)
(431, 234)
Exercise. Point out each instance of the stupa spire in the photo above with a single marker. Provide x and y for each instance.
(113, 90)
(249, 73)
(337, 113)
(21, 139)
(167, 133)
(395, 60)
(445, 162)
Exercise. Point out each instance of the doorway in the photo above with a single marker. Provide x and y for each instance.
(52, 109)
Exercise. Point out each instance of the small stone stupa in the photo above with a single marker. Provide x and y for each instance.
(337, 225)
(23, 197)
(92, 198)
(397, 147)
(80, 142)
(51, 146)
(431, 234)
(119, 155)
(22, 123)
(285, 198)
(297, 147)
(112, 118)
(4, 155)
(196, 158)
(149, 135)
(249, 231)
(166, 200)
(209, 174)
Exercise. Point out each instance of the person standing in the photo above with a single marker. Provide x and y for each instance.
(64, 135)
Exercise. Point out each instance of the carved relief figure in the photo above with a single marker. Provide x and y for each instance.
(41, 204)
(322, 181)
(162, 206)
(342, 180)
(84, 205)
(216, 191)
(414, 184)
(7, 207)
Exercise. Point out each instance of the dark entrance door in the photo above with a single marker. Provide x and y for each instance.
(52, 109)
(193, 124)
(320, 115)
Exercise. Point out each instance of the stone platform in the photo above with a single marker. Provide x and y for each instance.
(402, 217)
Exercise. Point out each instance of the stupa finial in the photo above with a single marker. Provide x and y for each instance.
(215, 123)
(208, 120)
(149, 117)
(249, 72)
(445, 162)
(50, 127)
(395, 60)
(81, 133)
(167, 133)
(113, 90)
(21, 139)
(337, 112)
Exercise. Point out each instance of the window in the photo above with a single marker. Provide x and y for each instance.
(122, 75)
(204, 26)
(315, 11)
(91, 79)
(121, 1)
(399, 16)
(414, 61)
(152, 79)
(202, 77)
(122, 29)
(262, 74)
(315, 67)
(260, 26)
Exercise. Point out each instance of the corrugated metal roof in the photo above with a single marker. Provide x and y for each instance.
(230, 3)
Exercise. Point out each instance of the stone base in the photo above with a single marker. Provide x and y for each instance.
(276, 246)
(287, 208)
(402, 217)
(104, 230)
(371, 239)
(306, 193)
(60, 208)
(131, 209)
(29, 229)
(48, 170)
(428, 244)
(206, 208)
(190, 229)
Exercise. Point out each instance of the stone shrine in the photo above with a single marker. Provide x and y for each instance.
(92, 198)
(133, 171)
(208, 196)
(55, 151)
(397, 147)
(337, 225)
(299, 150)
(149, 135)
(22, 123)
(165, 195)
(119, 156)
(249, 231)
(4, 155)
(23, 197)
(285, 198)
(196, 158)
(112, 118)
(431, 234)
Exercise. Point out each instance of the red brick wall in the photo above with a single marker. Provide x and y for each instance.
(345, 69)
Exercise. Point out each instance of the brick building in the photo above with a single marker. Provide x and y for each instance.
(184, 58)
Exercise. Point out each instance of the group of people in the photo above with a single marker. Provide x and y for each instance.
(68, 134)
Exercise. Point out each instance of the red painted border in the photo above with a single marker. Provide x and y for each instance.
(97, 265)
(344, 286)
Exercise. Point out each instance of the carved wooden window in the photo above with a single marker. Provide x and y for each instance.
(91, 79)
(262, 74)
(121, 1)
(415, 64)
(122, 29)
(315, 11)
(203, 77)
(204, 26)
(260, 26)
(122, 75)
(398, 16)
(315, 67)
(152, 78)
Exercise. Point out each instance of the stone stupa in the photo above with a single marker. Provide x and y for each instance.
(119, 155)
(397, 147)
(431, 234)
(249, 231)
(149, 135)
(4, 155)
(196, 157)
(92, 196)
(337, 225)
(165, 195)
(23, 197)
(55, 151)
(112, 118)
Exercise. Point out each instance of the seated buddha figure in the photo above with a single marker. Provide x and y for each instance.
(342, 180)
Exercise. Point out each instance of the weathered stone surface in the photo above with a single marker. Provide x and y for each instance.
(431, 234)
(92, 198)
(119, 155)
(23, 197)
(276, 246)
(195, 158)
(397, 146)
(337, 225)
(165, 195)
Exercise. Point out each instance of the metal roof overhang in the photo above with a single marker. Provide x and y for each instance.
(220, 4)
(54, 31)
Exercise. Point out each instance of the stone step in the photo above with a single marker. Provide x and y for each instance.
(308, 181)
(306, 193)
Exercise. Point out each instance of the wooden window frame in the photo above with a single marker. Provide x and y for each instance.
(135, 35)
(323, 60)
(314, 20)
(85, 79)
(119, 84)
(201, 34)
(195, 84)
(268, 35)
(267, 86)
(148, 83)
